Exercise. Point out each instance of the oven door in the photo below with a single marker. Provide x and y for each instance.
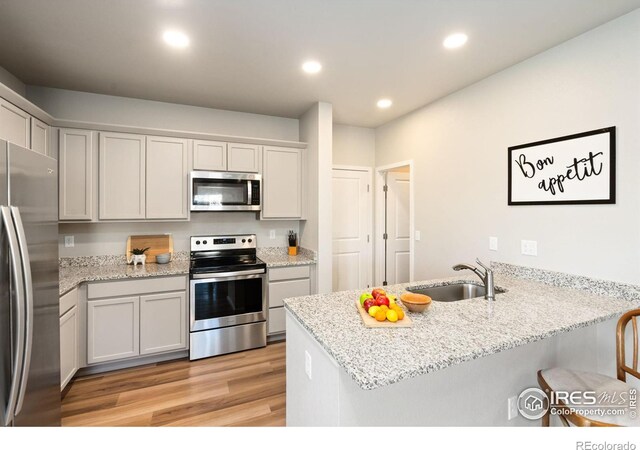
(224, 191)
(225, 299)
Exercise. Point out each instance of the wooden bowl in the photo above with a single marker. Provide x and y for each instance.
(415, 302)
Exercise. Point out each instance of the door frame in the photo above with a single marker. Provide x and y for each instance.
(379, 219)
(370, 221)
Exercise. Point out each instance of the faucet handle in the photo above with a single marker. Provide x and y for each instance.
(482, 265)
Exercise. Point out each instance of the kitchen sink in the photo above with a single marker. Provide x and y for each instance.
(453, 292)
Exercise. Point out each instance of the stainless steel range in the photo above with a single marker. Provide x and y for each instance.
(228, 295)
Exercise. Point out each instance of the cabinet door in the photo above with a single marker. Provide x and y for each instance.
(276, 322)
(76, 165)
(14, 124)
(68, 346)
(282, 181)
(122, 176)
(39, 136)
(243, 158)
(209, 155)
(163, 322)
(113, 329)
(167, 173)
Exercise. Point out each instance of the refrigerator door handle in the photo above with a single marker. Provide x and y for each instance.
(28, 297)
(18, 298)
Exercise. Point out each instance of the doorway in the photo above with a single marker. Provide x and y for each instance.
(394, 224)
(352, 227)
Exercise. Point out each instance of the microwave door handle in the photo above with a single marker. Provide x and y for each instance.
(18, 298)
(249, 192)
(28, 295)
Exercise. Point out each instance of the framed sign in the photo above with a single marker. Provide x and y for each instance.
(569, 170)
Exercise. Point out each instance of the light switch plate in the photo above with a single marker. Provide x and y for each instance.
(272, 234)
(69, 241)
(529, 247)
(493, 243)
(417, 235)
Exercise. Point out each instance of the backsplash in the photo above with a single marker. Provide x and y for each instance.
(110, 238)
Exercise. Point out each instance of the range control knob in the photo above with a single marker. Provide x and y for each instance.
(204, 242)
(244, 240)
(197, 242)
(249, 240)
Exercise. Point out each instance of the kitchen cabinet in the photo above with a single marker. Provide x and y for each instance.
(15, 124)
(285, 282)
(282, 183)
(209, 155)
(69, 334)
(40, 134)
(167, 173)
(77, 183)
(163, 322)
(129, 318)
(113, 329)
(243, 158)
(122, 193)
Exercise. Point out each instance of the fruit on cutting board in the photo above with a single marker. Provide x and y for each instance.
(381, 306)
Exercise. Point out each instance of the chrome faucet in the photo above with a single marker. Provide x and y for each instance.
(486, 277)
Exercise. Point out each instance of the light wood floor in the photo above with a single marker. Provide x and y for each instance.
(241, 389)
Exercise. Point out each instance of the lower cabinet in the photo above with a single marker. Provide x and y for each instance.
(126, 319)
(69, 333)
(285, 282)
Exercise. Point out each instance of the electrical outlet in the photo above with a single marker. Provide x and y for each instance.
(417, 235)
(529, 248)
(512, 408)
(69, 241)
(493, 244)
(272, 234)
(307, 363)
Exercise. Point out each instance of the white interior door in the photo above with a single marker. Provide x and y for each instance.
(398, 228)
(352, 217)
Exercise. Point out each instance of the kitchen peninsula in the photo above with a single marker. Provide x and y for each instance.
(460, 361)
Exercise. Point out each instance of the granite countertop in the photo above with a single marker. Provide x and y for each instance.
(449, 333)
(74, 271)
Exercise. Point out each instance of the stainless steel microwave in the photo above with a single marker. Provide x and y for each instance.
(224, 191)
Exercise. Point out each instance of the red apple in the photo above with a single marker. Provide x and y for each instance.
(378, 291)
(368, 304)
(382, 300)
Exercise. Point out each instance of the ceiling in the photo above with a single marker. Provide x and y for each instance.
(245, 55)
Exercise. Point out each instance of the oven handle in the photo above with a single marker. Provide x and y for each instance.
(213, 276)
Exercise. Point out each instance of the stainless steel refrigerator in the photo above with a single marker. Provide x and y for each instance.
(29, 304)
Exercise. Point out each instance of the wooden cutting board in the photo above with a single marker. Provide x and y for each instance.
(157, 243)
(370, 322)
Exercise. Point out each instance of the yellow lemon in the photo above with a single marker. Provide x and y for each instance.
(392, 316)
(373, 310)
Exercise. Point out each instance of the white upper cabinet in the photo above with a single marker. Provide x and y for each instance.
(243, 158)
(122, 176)
(209, 155)
(40, 132)
(282, 183)
(14, 124)
(167, 172)
(77, 183)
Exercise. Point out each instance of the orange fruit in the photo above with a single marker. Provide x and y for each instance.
(395, 307)
(385, 308)
(400, 313)
(381, 316)
(392, 316)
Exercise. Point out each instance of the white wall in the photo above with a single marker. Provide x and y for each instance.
(87, 107)
(459, 145)
(12, 82)
(354, 146)
(111, 238)
(315, 233)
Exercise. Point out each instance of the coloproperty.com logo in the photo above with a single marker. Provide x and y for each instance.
(534, 403)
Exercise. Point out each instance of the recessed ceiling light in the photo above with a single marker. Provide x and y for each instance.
(176, 39)
(455, 40)
(384, 103)
(312, 67)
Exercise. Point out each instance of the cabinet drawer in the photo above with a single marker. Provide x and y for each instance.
(285, 289)
(68, 301)
(136, 287)
(276, 322)
(288, 273)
